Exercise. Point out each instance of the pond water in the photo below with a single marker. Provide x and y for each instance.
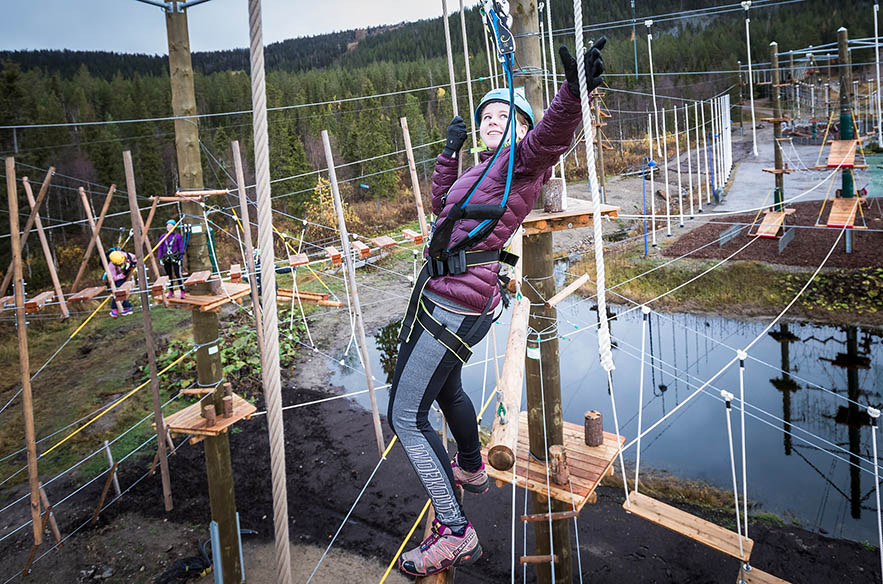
(808, 446)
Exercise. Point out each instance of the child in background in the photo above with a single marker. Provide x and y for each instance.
(121, 266)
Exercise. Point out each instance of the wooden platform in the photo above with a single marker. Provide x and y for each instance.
(587, 465)
(842, 154)
(695, 528)
(124, 291)
(383, 242)
(286, 295)
(771, 224)
(208, 303)
(578, 214)
(755, 576)
(843, 212)
(85, 294)
(190, 420)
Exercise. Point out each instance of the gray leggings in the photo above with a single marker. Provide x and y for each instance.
(425, 372)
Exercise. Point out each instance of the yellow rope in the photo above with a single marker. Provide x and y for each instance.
(428, 501)
(113, 405)
(825, 138)
(825, 200)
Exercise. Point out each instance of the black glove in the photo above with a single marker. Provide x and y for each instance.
(594, 67)
(455, 138)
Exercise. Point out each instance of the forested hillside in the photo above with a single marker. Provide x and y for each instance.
(307, 76)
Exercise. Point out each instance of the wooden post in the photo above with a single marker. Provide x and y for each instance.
(95, 233)
(779, 191)
(23, 356)
(594, 428)
(354, 292)
(474, 130)
(249, 248)
(206, 329)
(44, 188)
(601, 174)
(47, 253)
(116, 480)
(453, 79)
(148, 334)
(52, 523)
(537, 265)
(415, 181)
(504, 434)
(97, 237)
(111, 473)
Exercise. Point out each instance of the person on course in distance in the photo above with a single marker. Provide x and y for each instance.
(170, 251)
(121, 266)
(462, 301)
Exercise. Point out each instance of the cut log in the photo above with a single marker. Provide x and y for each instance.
(594, 427)
(235, 273)
(333, 255)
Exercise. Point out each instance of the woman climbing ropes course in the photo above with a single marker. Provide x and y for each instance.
(171, 250)
(456, 294)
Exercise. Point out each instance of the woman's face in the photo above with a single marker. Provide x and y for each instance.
(170, 227)
(493, 124)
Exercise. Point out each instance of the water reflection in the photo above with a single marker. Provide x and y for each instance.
(807, 387)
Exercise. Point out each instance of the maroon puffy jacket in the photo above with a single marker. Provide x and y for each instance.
(534, 157)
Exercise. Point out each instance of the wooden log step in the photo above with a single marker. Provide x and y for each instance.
(778, 170)
(39, 301)
(123, 292)
(235, 273)
(198, 278)
(413, 236)
(201, 193)
(539, 559)
(300, 259)
(197, 391)
(84, 294)
(158, 285)
(383, 242)
(333, 255)
(755, 576)
(567, 291)
(362, 250)
(331, 303)
(690, 526)
(556, 516)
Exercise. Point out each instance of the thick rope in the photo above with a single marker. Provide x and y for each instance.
(742, 356)
(595, 189)
(270, 355)
(746, 5)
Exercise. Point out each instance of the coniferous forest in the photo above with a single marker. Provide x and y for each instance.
(311, 82)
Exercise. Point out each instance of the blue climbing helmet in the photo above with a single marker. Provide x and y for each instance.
(171, 222)
(502, 94)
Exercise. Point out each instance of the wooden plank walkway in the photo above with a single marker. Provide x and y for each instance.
(843, 212)
(842, 154)
(771, 224)
(587, 465)
(207, 303)
(578, 214)
(695, 528)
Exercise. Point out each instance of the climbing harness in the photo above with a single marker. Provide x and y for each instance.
(446, 259)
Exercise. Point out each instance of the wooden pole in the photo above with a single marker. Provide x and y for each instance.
(474, 130)
(116, 479)
(23, 356)
(779, 191)
(504, 434)
(52, 523)
(97, 237)
(354, 292)
(148, 333)
(111, 473)
(453, 79)
(601, 174)
(206, 329)
(415, 181)
(537, 264)
(44, 188)
(92, 239)
(47, 253)
(249, 248)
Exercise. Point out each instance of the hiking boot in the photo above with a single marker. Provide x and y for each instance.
(473, 482)
(443, 549)
(113, 313)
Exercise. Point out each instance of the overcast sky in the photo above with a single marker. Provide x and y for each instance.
(131, 27)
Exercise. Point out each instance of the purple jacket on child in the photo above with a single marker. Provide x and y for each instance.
(534, 157)
(171, 247)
